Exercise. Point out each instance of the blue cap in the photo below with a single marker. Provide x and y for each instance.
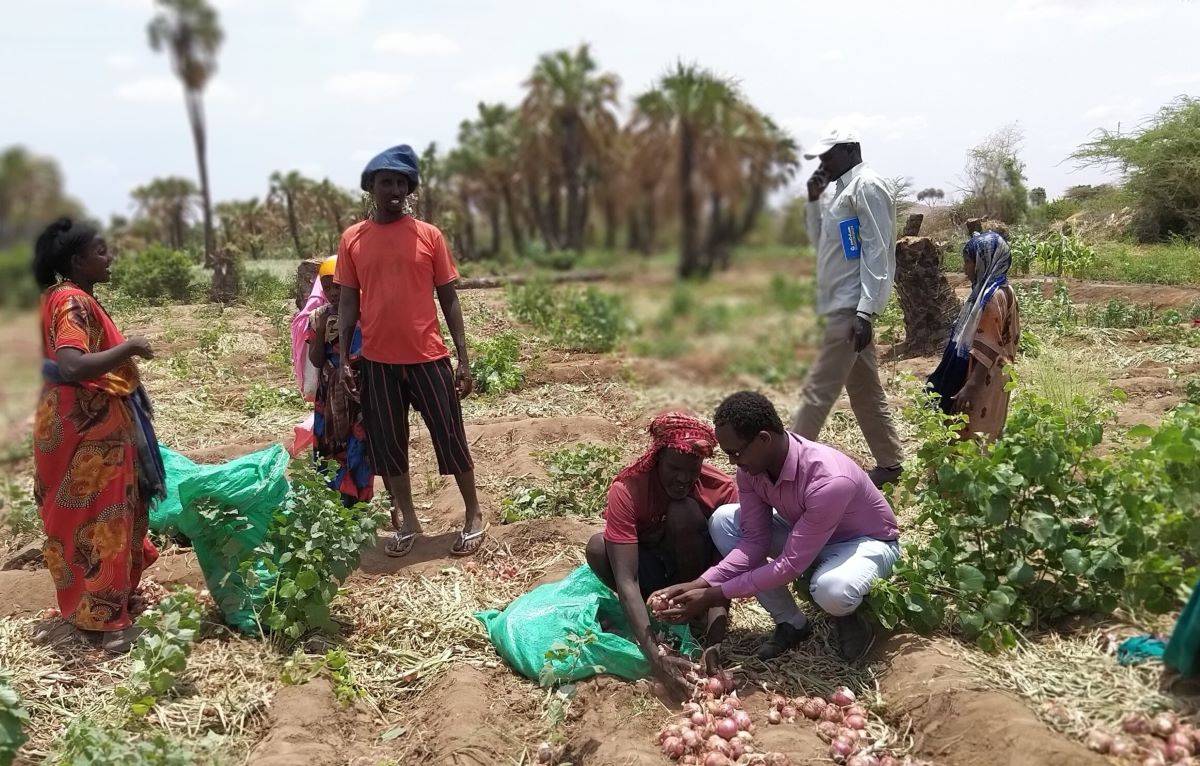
(401, 159)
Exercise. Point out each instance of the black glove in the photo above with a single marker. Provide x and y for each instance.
(861, 332)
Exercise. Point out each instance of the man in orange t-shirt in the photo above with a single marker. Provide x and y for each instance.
(389, 268)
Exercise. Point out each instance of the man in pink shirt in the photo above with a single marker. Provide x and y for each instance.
(805, 508)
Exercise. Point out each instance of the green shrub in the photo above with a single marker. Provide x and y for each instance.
(590, 320)
(1119, 314)
(558, 260)
(495, 364)
(792, 294)
(16, 274)
(1056, 311)
(313, 544)
(262, 288)
(21, 517)
(1040, 525)
(262, 398)
(161, 652)
(156, 275)
(13, 720)
(578, 486)
(86, 743)
(1176, 262)
(1055, 254)
(534, 302)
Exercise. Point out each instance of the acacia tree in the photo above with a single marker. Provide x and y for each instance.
(191, 34)
(929, 194)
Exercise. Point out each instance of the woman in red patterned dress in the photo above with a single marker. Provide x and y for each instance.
(97, 466)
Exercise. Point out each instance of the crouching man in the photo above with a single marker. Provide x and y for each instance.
(656, 534)
(808, 507)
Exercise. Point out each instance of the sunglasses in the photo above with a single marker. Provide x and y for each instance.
(735, 454)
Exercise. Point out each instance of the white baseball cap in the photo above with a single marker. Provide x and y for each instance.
(835, 136)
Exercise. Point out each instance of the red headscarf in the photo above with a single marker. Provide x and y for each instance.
(677, 431)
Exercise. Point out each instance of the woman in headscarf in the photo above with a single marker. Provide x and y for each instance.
(971, 377)
(337, 417)
(96, 462)
(656, 530)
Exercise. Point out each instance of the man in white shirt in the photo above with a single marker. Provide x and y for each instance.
(852, 223)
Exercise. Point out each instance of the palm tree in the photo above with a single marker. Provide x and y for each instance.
(566, 92)
(242, 225)
(489, 145)
(190, 32)
(687, 103)
(288, 188)
(170, 203)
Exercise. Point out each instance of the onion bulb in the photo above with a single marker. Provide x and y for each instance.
(863, 759)
(773, 716)
(856, 710)
(727, 680)
(789, 713)
(714, 686)
(1099, 741)
(727, 728)
(673, 747)
(842, 697)
(778, 702)
(1175, 753)
(699, 719)
(715, 759)
(813, 708)
(855, 722)
(832, 713)
(1182, 739)
(827, 730)
(889, 760)
(1135, 724)
(725, 710)
(734, 701)
(841, 748)
(545, 753)
(1122, 748)
(1164, 724)
(742, 719)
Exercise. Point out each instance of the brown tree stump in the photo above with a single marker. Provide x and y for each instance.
(306, 274)
(926, 298)
(912, 226)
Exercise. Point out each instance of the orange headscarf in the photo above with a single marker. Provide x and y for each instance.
(677, 431)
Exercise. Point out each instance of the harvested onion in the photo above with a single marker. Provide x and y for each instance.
(855, 722)
(841, 748)
(789, 713)
(742, 719)
(1099, 741)
(1164, 724)
(831, 713)
(727, 728)
(545, 753)
(863, 759)
(827, 730)
(1135, 724)
(842, 697)
(773, 716)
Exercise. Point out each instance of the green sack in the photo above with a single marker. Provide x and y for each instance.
(1183, 650)
(249, 489)
(532, 624)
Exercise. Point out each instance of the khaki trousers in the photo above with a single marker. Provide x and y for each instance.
(837, 367)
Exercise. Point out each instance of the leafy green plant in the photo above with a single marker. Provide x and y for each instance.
(1192, 391)
(313, 544)
(259, 287)
(534, 302)
(21, 517)
(1039, 524)
(578, 320)
(1057, 311)
(1119, 314)
(156, 275)
(161, 652)
(579, 480)
(564, 657)
(86, 743)
(13, 720)
(495, 363)
(335, 664)
(262, 398)
(792, 294)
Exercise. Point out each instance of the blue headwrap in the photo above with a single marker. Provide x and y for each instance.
(401, 159)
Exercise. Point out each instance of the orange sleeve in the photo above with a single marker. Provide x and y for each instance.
(444, 270)
(70, 325)
(620, 517)
(345, 273)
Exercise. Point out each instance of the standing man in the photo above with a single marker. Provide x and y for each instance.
(810, 509)
(853, 227)
(389, 267)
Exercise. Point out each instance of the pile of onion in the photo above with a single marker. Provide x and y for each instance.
(714, 730)
(840, 721)
(1153, 741)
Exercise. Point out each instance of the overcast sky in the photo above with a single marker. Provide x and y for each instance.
(320, 85)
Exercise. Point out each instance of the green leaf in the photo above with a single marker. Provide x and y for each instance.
(1073, 561)
(969, 579)
(1020, 573)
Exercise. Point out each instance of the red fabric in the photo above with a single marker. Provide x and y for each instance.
(637, 504)
(85, 480)
(678, 431)
(397, 267)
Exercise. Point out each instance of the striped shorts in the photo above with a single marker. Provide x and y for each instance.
(388, 390)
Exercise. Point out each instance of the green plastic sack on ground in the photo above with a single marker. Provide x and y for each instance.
(249, 489)
(532, 624)
(1183, 650)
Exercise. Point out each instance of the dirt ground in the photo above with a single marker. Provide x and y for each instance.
(475, 711)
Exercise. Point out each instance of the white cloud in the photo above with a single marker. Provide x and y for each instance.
(1121, 109)
(503, 85)
(122, 62)
(368, 86)
(362, 155)
(872, 127)
(1174, 80)
(164, 89)
(416, 44)
(833, 56)
(1096, 15)
(324, 14)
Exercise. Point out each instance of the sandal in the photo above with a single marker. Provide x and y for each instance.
(469, 543)
(401, 544)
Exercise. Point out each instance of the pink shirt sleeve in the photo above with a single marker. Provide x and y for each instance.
(345, 273)
(824, 508)
(752, 549)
